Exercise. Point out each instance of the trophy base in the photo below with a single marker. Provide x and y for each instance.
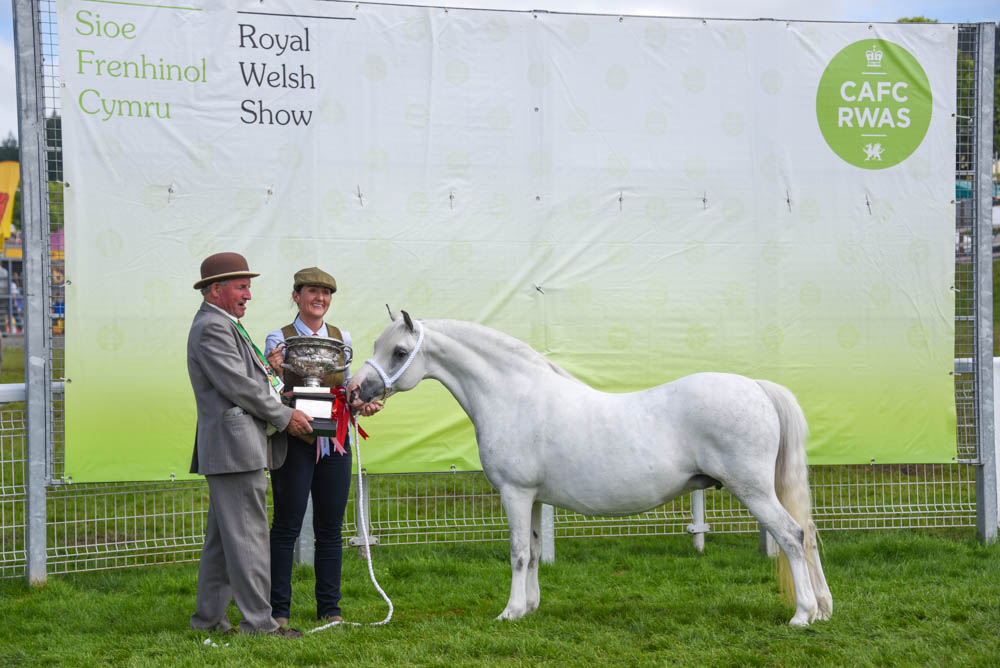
(324, 427)
(319, 407)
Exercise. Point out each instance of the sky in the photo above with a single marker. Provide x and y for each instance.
(946, 11)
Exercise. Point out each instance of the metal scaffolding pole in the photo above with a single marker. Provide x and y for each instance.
(37, 371)
(986, 471)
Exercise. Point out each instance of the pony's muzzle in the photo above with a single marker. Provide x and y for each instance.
(367, 386)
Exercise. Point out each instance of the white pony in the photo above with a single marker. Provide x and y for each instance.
(546, 437)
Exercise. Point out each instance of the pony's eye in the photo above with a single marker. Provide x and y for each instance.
(399, 353)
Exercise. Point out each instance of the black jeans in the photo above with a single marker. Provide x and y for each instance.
(329, 480)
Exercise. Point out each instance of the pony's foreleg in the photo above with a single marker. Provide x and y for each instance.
(518, 505)
(533, 594)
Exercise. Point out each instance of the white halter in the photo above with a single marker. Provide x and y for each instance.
(386, 380)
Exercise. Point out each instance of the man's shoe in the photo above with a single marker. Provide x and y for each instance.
(282, 621)
(332, 618)
(286, 633)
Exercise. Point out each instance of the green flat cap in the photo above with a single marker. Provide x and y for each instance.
(313, 276)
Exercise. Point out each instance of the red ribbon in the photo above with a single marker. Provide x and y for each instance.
(341, 412)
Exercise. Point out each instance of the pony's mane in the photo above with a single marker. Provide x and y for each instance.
(488, 338)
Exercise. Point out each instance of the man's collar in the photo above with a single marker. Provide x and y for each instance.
(223, 311)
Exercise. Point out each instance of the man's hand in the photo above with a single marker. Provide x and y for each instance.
(299, 424)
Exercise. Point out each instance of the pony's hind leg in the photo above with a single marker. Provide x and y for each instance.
(791, 539)
(824, 598)
(531, 590)
(518, 505)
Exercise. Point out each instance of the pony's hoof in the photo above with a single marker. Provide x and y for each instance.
(509, 614)
(800, 619)
(825, 608)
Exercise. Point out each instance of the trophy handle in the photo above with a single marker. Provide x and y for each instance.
(348, 353)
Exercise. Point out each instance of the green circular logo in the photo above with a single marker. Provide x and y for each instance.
(874, 104)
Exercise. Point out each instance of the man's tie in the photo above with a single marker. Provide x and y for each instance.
(271, 376)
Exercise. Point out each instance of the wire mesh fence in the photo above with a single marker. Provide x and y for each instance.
(12, 493)
(118, 525)
(965, 247)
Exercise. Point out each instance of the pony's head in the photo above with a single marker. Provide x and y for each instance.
(396, 365)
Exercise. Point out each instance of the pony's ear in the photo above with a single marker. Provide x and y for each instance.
(406, 319)
(392, 316)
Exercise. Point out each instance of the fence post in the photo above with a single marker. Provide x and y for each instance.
(698, 528)
(305, 545)
(34, 200)
(548, 534)
(986, 471)
(768, 546)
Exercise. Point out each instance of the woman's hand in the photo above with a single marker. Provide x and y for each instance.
(275, 358)
(371, 408)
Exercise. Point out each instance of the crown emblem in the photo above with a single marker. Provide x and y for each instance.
(874, 56)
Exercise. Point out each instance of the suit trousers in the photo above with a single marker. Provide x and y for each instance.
(234, 558)
(329, 481)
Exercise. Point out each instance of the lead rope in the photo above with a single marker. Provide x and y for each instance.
(364, 535)
(387, 382)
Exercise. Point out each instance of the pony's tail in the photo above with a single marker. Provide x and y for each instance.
(791, 482)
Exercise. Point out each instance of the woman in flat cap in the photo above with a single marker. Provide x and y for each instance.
(314, 464)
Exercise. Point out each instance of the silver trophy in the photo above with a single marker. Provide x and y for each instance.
(312, 358)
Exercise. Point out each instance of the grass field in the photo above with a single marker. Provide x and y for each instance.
(900, 598)
(12, 365)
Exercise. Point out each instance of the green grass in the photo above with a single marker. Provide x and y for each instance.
(900, 598)
(12, 365)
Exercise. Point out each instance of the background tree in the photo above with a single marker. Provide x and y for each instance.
(8, 148)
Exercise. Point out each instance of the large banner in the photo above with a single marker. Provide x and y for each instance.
(638, 198)
(10, 177)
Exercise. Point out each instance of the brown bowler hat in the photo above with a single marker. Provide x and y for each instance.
(223, 266)
(313, 276)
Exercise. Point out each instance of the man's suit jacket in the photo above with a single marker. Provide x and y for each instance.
(224, 375)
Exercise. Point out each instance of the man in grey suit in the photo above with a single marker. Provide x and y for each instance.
(238, 399)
